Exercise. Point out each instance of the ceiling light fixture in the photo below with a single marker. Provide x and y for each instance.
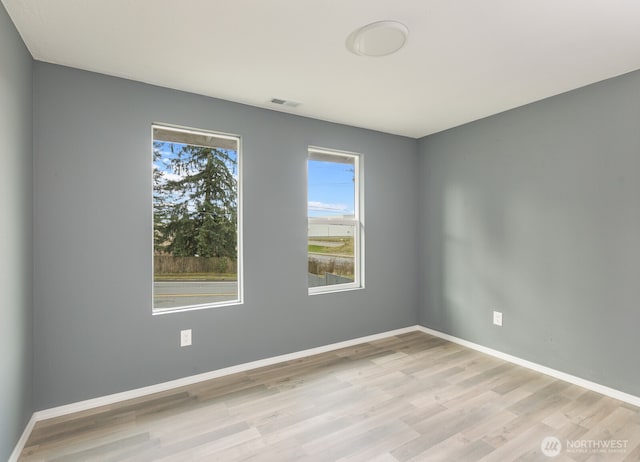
(380, 38)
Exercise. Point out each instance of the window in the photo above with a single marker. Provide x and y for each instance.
(334, 214)
(196, 219)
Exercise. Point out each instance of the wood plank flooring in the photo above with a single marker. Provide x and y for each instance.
(413, 397)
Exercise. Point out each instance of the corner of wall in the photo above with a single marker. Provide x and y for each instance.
(16, 247)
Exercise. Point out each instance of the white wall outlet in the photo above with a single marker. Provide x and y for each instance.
(497, 318)
(185, 337)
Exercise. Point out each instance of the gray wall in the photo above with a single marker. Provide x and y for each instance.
(94, 332)
(536, 213)
(16, 311)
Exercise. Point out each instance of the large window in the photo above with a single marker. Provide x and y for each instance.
(196, 219)
(335, 228)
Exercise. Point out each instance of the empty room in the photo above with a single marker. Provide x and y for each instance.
(320, 230)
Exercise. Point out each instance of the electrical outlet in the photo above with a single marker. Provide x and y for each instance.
(185, 337)
(497, 318)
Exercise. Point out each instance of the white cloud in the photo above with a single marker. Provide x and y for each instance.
(171, 176)
(323, 207)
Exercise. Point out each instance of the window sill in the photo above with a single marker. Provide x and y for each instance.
(332, 290)
(182, 309)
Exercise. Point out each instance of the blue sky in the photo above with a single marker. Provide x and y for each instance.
(331, 189)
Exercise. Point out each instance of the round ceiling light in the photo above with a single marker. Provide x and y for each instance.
(380, 38)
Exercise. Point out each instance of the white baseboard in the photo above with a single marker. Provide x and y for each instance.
(23, 439)
(607, 391)
(165, 386)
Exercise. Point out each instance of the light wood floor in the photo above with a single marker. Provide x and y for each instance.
(413, 397)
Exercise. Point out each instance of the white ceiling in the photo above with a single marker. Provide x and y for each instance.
(464, 60)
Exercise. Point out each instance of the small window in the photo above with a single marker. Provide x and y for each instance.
(196, 219)
(335, 229)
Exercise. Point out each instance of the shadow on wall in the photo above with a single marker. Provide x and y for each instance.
(491, 258)
(476, 240)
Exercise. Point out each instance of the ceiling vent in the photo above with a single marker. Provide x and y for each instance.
(284, 102)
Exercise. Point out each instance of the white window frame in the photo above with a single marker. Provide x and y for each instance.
(239, 227)
(315, 153)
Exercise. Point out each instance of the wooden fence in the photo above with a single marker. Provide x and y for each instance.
(167, 264)
(332, 265)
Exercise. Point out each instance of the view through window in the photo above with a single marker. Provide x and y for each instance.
(196, 217)
(334, 246)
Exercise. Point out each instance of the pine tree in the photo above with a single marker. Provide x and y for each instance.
(195, 201)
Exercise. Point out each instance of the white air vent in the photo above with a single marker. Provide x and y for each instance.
(284, 102)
